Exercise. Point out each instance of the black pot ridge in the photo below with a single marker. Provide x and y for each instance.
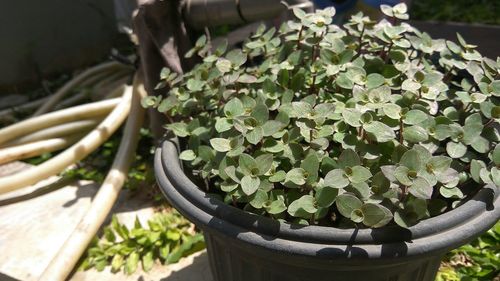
(429, 237)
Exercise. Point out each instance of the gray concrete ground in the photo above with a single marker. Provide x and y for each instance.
(35, 221)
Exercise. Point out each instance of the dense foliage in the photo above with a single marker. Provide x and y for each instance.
(168, 238)
(320, 124)
(479, 260)
(479, 11)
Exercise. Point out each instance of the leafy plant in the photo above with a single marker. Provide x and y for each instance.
(97, 164)
(168, 238)
(479, 260)
(363, 124)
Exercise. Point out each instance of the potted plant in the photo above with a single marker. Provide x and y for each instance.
(319, 152)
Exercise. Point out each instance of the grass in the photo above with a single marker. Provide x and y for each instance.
(468, 11)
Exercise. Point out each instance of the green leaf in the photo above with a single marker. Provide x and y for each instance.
(271, 127)
(311, 165)
(495, 176)
(220, 144)
(381, 131)
(415, 134)
(164, 251)
(255, 136)
(223, 65)
(401, 174)
(228, 187)
(223, 125)
(302, 207)
(349, 158)
(410, 85)
(496, 155)
(453, 192)
(359, 174)
(357, 216)
(375, 215)
(404, 219)
(250, 184)
(149, 101)
(456, 149)
(296, 175)
(117, 263)
(475, 169)
(299, 13)
(180, 129)
(301, 109)
(168, 103)
(194, 85)
(352, 116)
(421, 188)
(336, 179)
(265, 162)
(147, 261)
(248, 165)
(453, 47)
(326, 196)
(472, 128)
(442, 132)
(344, 81)
(411, 160)
(414, 117)
(234, 108)
(276, 207)
(260, 112)
(278, 176)
(187, 155)
(439, 164)
(392, 111)
(236, 57)
(259, 199)
(374, 80)
(346, 203)
(387, 10)
(132, 262)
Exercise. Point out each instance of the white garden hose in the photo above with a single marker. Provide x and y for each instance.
(91, 72)
(95, 88)
(63, 263)
(36, 148)
(65, 129)
(76, 152)
(58, 117)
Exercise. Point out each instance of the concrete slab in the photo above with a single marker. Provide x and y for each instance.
(35, 221)
(191, 268)
(33, 228)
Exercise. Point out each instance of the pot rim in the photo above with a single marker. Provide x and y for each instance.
(433, 235)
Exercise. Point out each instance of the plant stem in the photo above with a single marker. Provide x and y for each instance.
(386, 54)
(401, 131)
(467, 107)
(360, 42)
(489, 122)
(299, 37)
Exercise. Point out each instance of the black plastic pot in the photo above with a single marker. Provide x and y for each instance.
(247, 247)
